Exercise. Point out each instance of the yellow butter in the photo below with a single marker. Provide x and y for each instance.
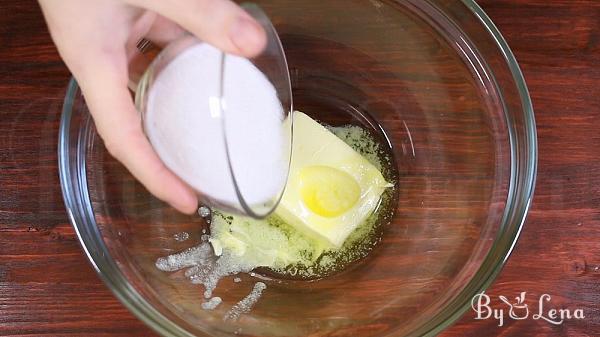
(331, 188)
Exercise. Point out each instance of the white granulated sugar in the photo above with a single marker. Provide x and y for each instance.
(212, 303)
(246, 304)
(182, 236)
(213, 270)
(204, 211)
(183, 124)
(187, 258)
(203, 267)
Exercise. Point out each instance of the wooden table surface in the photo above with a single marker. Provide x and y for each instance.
(47, 286)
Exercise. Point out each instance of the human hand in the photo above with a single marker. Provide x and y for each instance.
(97, 39)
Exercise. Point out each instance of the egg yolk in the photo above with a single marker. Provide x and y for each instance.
(327, 191)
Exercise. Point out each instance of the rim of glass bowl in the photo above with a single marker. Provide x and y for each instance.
(521, 187)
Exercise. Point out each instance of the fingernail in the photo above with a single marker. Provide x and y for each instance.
(248, 36)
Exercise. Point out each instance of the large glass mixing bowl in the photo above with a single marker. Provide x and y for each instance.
(436, 82)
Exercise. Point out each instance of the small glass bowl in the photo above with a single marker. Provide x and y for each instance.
(243, 158)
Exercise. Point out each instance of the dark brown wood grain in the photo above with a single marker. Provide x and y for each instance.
(48, 288)
(557, 44)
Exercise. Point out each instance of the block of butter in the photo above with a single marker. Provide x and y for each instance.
(331, 188)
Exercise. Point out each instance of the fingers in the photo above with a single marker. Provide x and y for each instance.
(164, 31)
(119, 125)
(221, 23)
(92, 37)
(153, 27)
